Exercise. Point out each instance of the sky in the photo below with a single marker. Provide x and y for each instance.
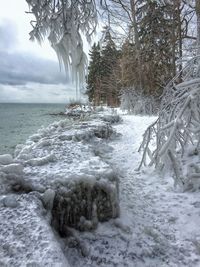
(29, 73)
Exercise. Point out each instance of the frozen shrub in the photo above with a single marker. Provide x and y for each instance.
(136, 103)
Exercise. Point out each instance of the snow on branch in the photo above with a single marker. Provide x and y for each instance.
(63, 22)
(177, 129)
(133, 101)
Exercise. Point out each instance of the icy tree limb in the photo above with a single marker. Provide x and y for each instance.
(63, 22)
(177, 169)
(178, 123)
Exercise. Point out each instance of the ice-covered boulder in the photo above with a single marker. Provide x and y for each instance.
(78, 186)
(26, 238)
(12, 178)
(6, 159)
(10, 201)
(41, 160)
(15, 168)
(48, 199)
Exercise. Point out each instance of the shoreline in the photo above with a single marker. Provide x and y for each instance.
(58, 162)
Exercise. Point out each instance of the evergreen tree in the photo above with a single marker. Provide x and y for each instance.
(103, 73)
(129, 64)
(155, 27)
(109, 59)
(94, 75)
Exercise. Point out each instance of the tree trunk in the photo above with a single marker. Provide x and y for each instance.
(198, 25)
(137, 41)
(133, 13)
(180, 39)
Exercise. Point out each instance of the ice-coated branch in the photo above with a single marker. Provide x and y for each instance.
(177, 169)
(64, 22)
(178, 124)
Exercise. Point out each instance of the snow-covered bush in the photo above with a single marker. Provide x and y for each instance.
(136, 103)
(174, 137)
(77, 110)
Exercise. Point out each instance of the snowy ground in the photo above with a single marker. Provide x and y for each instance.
(158, 225)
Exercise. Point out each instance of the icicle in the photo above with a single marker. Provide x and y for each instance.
(62, 22)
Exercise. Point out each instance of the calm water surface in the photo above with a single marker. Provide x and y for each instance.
(19, 121)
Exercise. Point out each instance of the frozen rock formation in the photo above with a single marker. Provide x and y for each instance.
(79, 186)
(68, 185)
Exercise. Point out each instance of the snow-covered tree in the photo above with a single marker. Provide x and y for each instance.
(174, 138)
(94, 75)
(135, 102)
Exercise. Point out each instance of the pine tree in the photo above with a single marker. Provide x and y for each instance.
(109, 68)
(103, 72)
(155, 27)
(94, 75)
(129, 64)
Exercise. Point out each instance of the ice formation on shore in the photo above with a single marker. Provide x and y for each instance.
(59, 177)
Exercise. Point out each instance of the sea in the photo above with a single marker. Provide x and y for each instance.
(19, 121)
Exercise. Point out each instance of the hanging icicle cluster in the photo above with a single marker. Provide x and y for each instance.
(63, 22)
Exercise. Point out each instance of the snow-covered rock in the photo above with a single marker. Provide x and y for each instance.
(6, 159)
(48, 199)
(68, 185)
(78, 185)
(12, 178)
(10, 201)
(41, 160)
(26, 237)
(15, 168)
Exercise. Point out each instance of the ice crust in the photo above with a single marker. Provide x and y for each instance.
(26, 237)
(62, 161)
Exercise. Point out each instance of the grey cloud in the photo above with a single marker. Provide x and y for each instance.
(8, 35)
(22, 68)
(36, 93)
(19, 69)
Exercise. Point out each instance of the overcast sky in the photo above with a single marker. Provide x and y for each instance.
(28, 72)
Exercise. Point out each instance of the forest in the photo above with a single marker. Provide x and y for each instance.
(134, 64)
(143, 44)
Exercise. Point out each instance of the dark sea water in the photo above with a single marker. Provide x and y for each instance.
(19, 121)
